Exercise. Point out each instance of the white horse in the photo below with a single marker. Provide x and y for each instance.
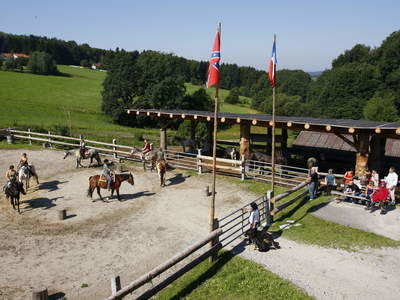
(25, 173)
(90, 153)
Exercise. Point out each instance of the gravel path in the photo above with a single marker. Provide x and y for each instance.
(333, 274)
(354, 215)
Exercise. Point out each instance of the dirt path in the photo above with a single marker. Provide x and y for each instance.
(99, 239)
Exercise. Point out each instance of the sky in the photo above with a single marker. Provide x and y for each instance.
(310, 34)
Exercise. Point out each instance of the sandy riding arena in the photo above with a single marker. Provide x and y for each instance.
(78, 256)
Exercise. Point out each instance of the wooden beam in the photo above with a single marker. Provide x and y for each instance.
(245, 139)
(346, 140)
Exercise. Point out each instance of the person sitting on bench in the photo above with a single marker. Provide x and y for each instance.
(380, 196)
(353, 190)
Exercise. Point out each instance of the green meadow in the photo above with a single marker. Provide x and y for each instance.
(73, 102)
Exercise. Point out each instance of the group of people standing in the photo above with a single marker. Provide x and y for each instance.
(369, 185)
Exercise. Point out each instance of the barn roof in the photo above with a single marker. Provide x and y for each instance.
(297, 123)
(331, 141)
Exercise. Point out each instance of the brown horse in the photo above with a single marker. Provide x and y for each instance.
(98, 181)
(161, 167)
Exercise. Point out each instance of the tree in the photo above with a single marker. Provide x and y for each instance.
(85, 63)
(42, 63)
(233, 96)
(120, 86)
(359, 53)
(286, 105)
(381, 107)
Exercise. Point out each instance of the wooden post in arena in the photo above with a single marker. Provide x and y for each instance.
(245, 140)
(163, 133)
(40, 294)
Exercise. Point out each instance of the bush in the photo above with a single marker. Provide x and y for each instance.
(233, 96)
(42, 63)
(381, 107)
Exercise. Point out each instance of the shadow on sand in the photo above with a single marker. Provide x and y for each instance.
(41, 202)
(178, 178)
(51, 185)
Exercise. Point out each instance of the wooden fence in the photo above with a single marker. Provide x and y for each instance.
(229, 228)
(245, 169)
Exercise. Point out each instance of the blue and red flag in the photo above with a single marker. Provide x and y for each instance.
(213, 68)
(272, 65)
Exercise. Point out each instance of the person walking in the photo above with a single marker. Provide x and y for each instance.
(313, 183)
(330, 182)
(391, 182)
(254, 221)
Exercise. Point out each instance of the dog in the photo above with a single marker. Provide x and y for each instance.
(261, 239)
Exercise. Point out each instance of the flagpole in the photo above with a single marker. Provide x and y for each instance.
(273, 130)
(216, 109)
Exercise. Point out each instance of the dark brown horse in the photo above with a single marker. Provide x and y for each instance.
(12, 191)
(99, 181)
(161, 167)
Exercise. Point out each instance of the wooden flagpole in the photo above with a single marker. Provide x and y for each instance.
(273, 129)
(216, 109)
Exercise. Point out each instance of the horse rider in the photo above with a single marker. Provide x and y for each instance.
(146, 148)
(107, 173)
(23, 161)
(12, 178)
(82, 148)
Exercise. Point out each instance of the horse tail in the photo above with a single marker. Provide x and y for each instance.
(90, 189)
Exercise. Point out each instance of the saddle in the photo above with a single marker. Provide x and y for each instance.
(104, 179)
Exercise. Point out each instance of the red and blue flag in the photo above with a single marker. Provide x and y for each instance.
(272, 65)
(213, 68)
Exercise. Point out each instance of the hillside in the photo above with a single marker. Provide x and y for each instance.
(73, 101)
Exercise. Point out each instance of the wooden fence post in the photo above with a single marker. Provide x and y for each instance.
(51, 146)
(270, 206)
(115, 285)
(114, 141)
(243, 169)
(199, 166)
(215, 241)
(40, 294)
(30, 141)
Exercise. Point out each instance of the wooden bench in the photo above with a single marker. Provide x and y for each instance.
(363, 199)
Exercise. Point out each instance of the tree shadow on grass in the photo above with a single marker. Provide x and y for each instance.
(223, 258)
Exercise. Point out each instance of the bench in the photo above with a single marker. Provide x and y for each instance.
(363, 199)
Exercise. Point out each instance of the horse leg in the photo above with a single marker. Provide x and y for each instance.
(112, 193)
(12, 201)
(118, 197)
(98, 193)
(17, 199)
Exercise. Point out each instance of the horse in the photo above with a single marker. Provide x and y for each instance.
(161, 167)
(188, 144)
(149, 157)
(232, 153)
(25, 173)
(98, 181)
(312, 162)
(12, 191)
(279, 158)
(90, 153)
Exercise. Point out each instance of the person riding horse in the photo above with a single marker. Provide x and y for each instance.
(107, 173)
(82, 148)
(23, 161)
(11, 176)
(146, 148)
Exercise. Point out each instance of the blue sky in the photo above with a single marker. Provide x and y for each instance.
(309, 33)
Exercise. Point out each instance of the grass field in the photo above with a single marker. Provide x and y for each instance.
(73, 101)
(231, 277)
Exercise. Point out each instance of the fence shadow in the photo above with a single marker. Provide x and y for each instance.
(41, 202)
(178, 178)
(223, 258)
(51, 185)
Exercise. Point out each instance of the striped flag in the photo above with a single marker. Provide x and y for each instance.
(213, 68)
(272, 65)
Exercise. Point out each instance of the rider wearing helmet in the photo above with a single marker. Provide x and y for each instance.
(107, 173)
